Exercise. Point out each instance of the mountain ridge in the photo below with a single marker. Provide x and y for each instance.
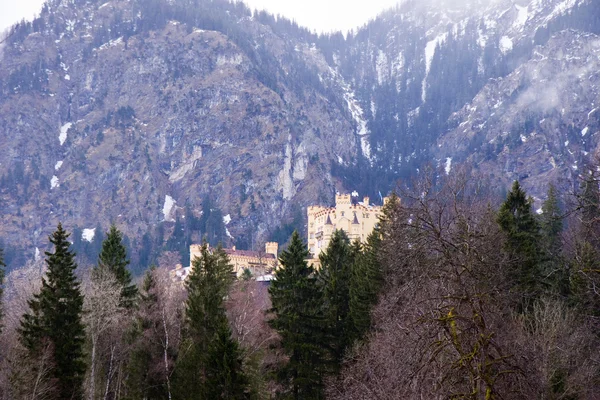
(136, 112)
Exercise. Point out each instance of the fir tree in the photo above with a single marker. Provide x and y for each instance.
(113, 257)
(143, 379)
(551, 225)
(590, 202)
(522, 230)
(365, 283)
(551, 222)
(225, 378)
(208, 335)
(55, 319)
(299, 320)
(2, 266)
(333, 278)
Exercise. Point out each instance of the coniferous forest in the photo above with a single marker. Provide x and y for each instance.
(458, 294)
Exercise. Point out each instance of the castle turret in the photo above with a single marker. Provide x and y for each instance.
(272, 248)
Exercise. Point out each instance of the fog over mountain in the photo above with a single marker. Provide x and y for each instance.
(178, 119)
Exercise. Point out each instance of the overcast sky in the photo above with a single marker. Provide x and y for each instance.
(319, 15)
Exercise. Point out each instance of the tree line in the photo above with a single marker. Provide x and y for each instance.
(450, 297)
(99, 335)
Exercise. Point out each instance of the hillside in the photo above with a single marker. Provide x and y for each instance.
(170, 118)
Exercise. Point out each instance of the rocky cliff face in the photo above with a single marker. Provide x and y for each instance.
(133, 129)
(137, 111)
(539, 124)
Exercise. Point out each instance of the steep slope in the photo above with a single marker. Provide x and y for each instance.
(415, 65)
(539, 124)
(115, 112)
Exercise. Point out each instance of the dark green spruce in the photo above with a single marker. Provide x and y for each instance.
(366, 280)
(210, 365)
(113, 257)
(54, 319)
(523, 244)
(334, 278)
(299, 320)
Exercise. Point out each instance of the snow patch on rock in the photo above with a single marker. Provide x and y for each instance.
(358, 116)
(429, 53)
(521, 17)
(448, 166)
(227, 219)
(58, 165)
(63, 132)
(506, 44)
(585, 130)
(54, 182)
(285, 182)
(168, 208)
(88, 234)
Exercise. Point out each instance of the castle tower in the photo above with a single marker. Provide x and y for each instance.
(272, 248)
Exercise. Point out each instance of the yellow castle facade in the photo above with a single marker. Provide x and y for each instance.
(356, 218)
(257, 262)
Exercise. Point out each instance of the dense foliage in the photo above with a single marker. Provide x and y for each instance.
(450, 297)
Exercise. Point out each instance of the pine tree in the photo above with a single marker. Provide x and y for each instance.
(208, 335)
(225, 378)
(2, 266)
(113, 257)
(55, 319)
(334, 278)
(523, 243)
(551, 224)
(144, 380)
(365, 284)
(298, 318)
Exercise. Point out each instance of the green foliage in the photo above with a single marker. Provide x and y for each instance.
(333, 279)
(143, 379)
(225, 378)
(299, 320)
(523, 243)
(365, 283)
(210, 365)
(55, 318)
(551, 221)
(113, 257)
(551, 224)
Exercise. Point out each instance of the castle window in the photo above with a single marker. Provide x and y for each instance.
(342, 213)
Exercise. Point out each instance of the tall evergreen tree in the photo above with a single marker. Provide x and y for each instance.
(2, 266)
(365, 283)
(198, 374)
(113, 257)
(334, 278)
(523, 243)
(55, 319)
(225, 378)
(551, 224)
(298, 318)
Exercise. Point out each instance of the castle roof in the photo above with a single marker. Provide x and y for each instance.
(248, 253)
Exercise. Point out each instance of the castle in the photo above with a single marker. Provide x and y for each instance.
(257, 262)
(356, 218)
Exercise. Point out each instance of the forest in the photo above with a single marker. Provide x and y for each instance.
(456, 295)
